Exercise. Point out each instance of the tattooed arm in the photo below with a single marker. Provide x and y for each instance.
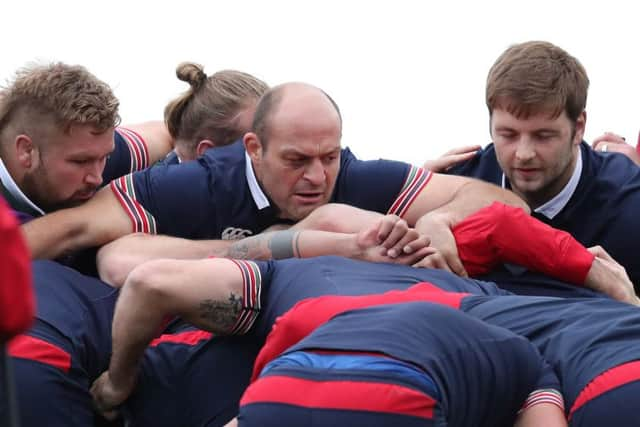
(186, 288)
(117, 259)
(369, 244)
(379, 234)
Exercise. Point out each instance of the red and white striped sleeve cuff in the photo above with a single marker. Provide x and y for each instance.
(141, 220)
(540, 396)
(138, 150)
(251, 286)
(416, 180)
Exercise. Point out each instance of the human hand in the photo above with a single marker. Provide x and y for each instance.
(606, 275)
(390, 239)
(107, 396)
(438, 228)
(451, 158)
(610, 142)
(395, 235)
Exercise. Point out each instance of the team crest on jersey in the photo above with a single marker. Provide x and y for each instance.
(232, 233)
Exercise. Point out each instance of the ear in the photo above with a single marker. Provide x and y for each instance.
(26, 152)
(203, 146)
(253, 146)
(581, 123)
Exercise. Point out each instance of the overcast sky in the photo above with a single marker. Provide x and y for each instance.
(408, 75)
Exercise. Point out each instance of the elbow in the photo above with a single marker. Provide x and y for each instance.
(116, 260)
(144, 282)
(324, 218)
(113, 268)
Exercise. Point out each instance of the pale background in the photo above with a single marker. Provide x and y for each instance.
(408, 75)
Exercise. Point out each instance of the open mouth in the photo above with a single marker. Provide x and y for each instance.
(309, 197)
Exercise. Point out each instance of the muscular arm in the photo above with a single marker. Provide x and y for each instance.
(456, 197)
(157, 138)
(446, 201)
(94, 223)
(117, 259)
(217, 295)
(544, 414)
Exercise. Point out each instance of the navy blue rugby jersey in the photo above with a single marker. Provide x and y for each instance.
(580, 338)
(218, 197)
(603, 209)
(72, 324)
(287, 282)
(462, 355)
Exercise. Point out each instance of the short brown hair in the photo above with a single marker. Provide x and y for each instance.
(209, 109)
(65, 95)
(537, 76)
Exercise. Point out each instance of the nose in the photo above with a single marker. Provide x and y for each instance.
(315, 173)
(525, 149)
(94, 174)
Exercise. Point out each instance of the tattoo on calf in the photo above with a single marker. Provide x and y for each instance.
(221, 316)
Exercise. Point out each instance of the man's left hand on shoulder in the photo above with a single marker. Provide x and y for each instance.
(610, 142)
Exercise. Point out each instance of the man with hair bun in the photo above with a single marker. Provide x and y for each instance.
(59, 140)
(216, 110)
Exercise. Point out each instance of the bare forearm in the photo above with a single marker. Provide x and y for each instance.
(138, 318)
(455, 197)
(118, 258)
(54, 235)
(544, 414)
(292, 244)
(475, 195)
(156, 136)
(338, 218)
(92, 224)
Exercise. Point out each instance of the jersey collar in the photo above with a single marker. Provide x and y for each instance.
(258, 195)
(13, 189)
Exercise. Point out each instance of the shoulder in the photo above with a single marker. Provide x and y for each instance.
(612, 174)
(484, 165)
(351, 165)
(233, 153)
